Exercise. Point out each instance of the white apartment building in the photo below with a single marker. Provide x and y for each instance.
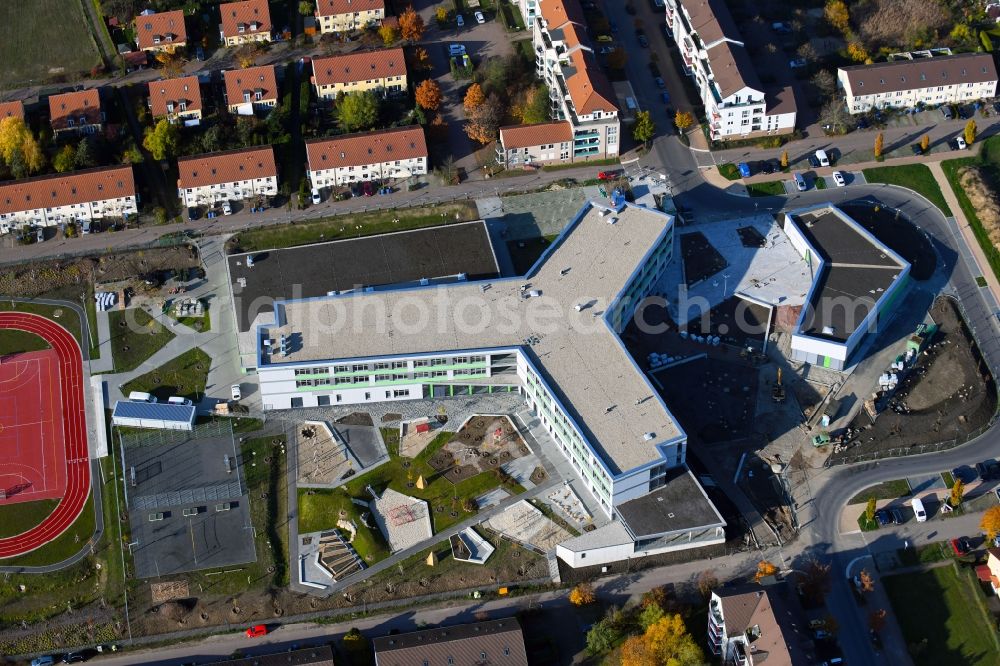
(759, 624)
(227, 176)
(712, 52)
(344, 15)
(919, 79)
(77, 196)
(578, 89)
(380, 155)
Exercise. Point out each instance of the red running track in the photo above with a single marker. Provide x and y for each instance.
(74, 433)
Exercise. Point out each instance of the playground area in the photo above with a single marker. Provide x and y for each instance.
(482, 444)
(528, 526)
(403, 520)
(324, 457)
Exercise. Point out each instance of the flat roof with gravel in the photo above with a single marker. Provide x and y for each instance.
(680, 505)
(856, 269)
(589, 369)
(395, 258)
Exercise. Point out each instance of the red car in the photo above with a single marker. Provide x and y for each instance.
(608, 175)
(961, 545)
(257, 631)
(367, 188)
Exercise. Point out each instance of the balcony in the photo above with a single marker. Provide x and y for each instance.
(740, 653)
(581, 143)
(583, 152)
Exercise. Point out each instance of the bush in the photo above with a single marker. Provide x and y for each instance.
(582, 595)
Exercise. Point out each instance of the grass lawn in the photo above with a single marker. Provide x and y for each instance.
(988, 161)
(319, 509)
(354, 225)
(200, 324)
(820, 183)
(948, 479)
(185, 376)
(917, 177)
(926, 554)
(268, 515)
(66, 544)
(611, 161)
(21, 517)
(13, 341)
(52, 38)
(135, 336)
(943, 618)
(865, 524)
(885, 490)
(768, 189)
(729, 171)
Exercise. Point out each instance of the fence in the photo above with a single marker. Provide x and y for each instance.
(134, 437)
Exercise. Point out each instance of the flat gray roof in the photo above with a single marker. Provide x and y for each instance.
(395, 258)
(679, 505)
(586, 364)
(857, 272)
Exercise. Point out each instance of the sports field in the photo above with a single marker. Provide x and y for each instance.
(42, 39)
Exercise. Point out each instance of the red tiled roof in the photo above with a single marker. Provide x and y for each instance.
(525, 136)
(250, 80)
(363, 66)
(334, 7)
(168, 26)
(235, 14)
(226, 167)
(174, 90)
(67, 188)
(81, 103)
(588, 87)
(557, 12)
(402, 143)
(12, 110)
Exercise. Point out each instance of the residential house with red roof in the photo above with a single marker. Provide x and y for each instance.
(383, 71)
(176, 99)
(243, 22)
(580, 92)
(160, 31)
(77, 196)
(78, 111)
(527, 145)
(231, 175)
(395, 153)
(13, 109)
(251, 89)
(344, 15)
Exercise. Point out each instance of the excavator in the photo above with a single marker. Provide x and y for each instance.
(778, 391)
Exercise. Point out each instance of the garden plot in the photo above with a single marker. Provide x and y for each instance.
(483, 443)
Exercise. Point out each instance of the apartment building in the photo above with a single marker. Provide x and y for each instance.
(78, 111)
(919, 78)
(737, 105)
(177, 100)
(579, 91)
(77, 196)
(383, 71)
(758, 624)
(544, 143)
(350, 158)
(251, 89)
(226, 176)
(344, 15)
(160, 31)
(244, 22)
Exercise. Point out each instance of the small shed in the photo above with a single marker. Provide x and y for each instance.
(159, 416)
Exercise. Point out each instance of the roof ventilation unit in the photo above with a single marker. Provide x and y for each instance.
(649, 436)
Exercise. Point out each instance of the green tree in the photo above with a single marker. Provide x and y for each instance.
(87, 153)
(536, 107)
(162, 140)
(650, 615)
(357, 111)
(65, 159)
(305, 8)
(970, 132)
(602, 636)
(870, 507)
(644, 127)
(389, 34)
(18, 165)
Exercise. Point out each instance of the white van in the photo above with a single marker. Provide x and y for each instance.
(918, 510)
(177, 400)
(822, 158)
(140, 396)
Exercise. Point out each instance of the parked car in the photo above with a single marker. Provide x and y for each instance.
(367, 188)
(774, 165)
(965, 474)
(882, 517)
(480, 19)
(660, 83)
(781, 28)
(798, 63)
(227, 209)
(74, 658)
(177, 400)
(43, 661)
(822, 158)
(665, 97)
(459, 20)
(609, 175)
(961, 545)
(987, 469)
(947, 112)
(235, 392)
(918, 510)
(916, 149)
(744, 169)
(257, 631)
(456, 49)
(960, 142)
(800, 182)
(316, 198)
(838, 178)
(996, 107)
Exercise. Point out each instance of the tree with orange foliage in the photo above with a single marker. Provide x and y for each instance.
(484, 123)
(411, 25)
(636, 652)
(666, 641)
(421, 60)
(171, 62)
(474, 98)
(765, 569)
(582, 594)
(428, 95)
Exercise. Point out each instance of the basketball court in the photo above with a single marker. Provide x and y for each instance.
(32, 449)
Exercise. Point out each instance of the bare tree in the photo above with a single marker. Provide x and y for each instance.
(834, 117)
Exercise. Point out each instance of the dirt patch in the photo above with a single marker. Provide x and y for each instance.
(701, 260)
(750, 237)
(357, 419)
(169, 590)
(947, 395)
(482, 444)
